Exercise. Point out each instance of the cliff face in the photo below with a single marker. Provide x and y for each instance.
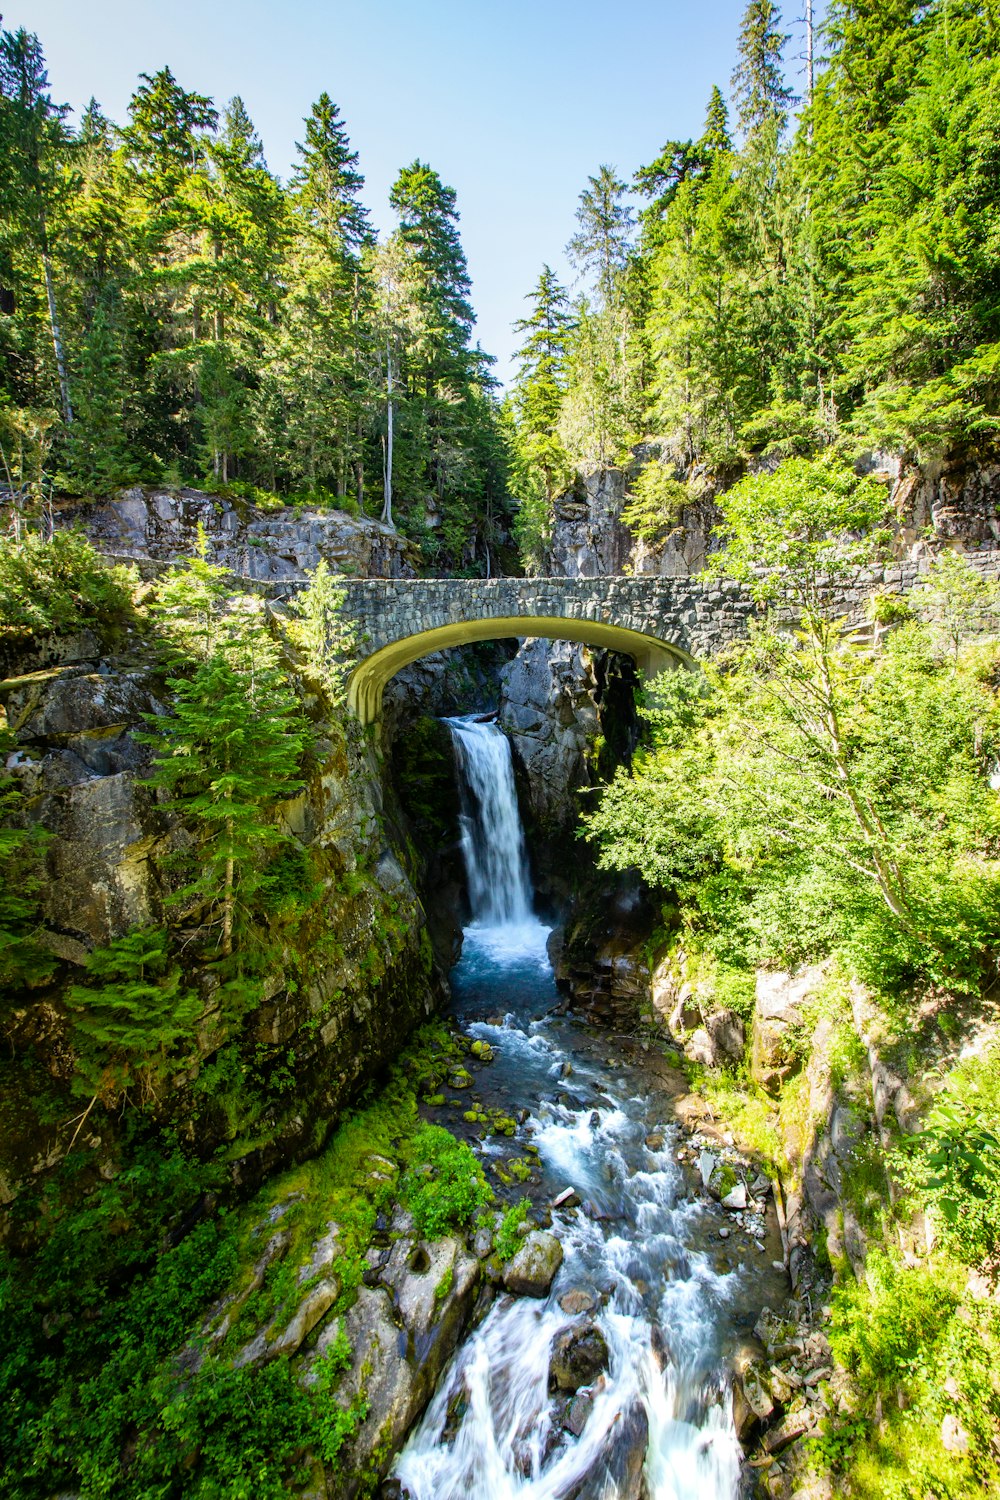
(342, 987)
(953, 500)
(282, 544)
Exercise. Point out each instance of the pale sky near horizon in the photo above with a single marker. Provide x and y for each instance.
(513, 104)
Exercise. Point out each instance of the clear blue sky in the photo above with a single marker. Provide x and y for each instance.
(513, 103)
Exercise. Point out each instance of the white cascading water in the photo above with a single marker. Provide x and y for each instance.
(492, 837)
(494, 1430)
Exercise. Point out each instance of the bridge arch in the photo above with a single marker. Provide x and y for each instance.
(367, 682)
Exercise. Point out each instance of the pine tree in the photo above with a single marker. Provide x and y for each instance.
(128, 1020)
(602, 243)
(321, 345)
(542, 468)
(32, 143)
(762, 96)
(225, 757)
(443, 376)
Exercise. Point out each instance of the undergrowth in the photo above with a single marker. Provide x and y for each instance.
(106, 1386)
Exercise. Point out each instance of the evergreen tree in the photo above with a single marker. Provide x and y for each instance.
(32, 143)
(322, 343)
(128, 1020)
(225, 758)
(762, 96)
(602, 243)
(541, 380)
(443, 378)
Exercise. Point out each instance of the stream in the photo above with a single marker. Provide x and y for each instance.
(672, 1294)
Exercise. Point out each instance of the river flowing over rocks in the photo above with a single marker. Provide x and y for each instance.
(609, 1375)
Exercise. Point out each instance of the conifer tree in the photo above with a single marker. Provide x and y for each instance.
(32, 138)
(322, 343)
(762, 96)
(129, 1018)
(602, 243)
(542, 467)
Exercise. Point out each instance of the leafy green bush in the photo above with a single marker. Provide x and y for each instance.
(507, 1238)
(445, 1187)
(885, 1330)
(59, 586)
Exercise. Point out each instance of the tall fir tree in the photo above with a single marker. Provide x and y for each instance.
(762, 95)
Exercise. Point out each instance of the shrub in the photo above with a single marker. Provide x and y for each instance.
(445, 1187)
(60, 585)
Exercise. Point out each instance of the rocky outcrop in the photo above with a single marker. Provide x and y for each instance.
(778, 1022)
(283, 544)
(338, 998)
(549, 712)
(588, 537)
(403, 1329)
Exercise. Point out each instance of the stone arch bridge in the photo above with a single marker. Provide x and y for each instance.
(660, 622)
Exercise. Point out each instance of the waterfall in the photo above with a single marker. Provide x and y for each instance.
(492, 836)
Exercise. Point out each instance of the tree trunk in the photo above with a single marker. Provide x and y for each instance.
(57, 343)
(810, 62)
(227, 894)
(387, 463)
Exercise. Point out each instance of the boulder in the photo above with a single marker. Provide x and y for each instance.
(617, 1470)
(579, 1355)
(404, 1333)
(577, 1300)
(720, 1040)
(779, 1017)
(532, 1269)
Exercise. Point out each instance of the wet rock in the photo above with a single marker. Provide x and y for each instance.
(618, 1468)
(403, 1334)
(579, 1355)
(577, 1300)
(568, 1198)
(579, 1410)
(547, 708)
(482, 1244)
(736, 1199)
(654, 1140)
(532, 1269)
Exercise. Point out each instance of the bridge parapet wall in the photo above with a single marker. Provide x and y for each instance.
(656, 619)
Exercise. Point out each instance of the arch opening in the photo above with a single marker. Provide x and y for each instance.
(367, 682)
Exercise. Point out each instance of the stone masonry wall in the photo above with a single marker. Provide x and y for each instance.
(697, 616)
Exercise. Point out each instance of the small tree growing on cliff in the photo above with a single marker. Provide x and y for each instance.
(327, 637)
(226, 756)
(230, 750)
(129, 1017)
